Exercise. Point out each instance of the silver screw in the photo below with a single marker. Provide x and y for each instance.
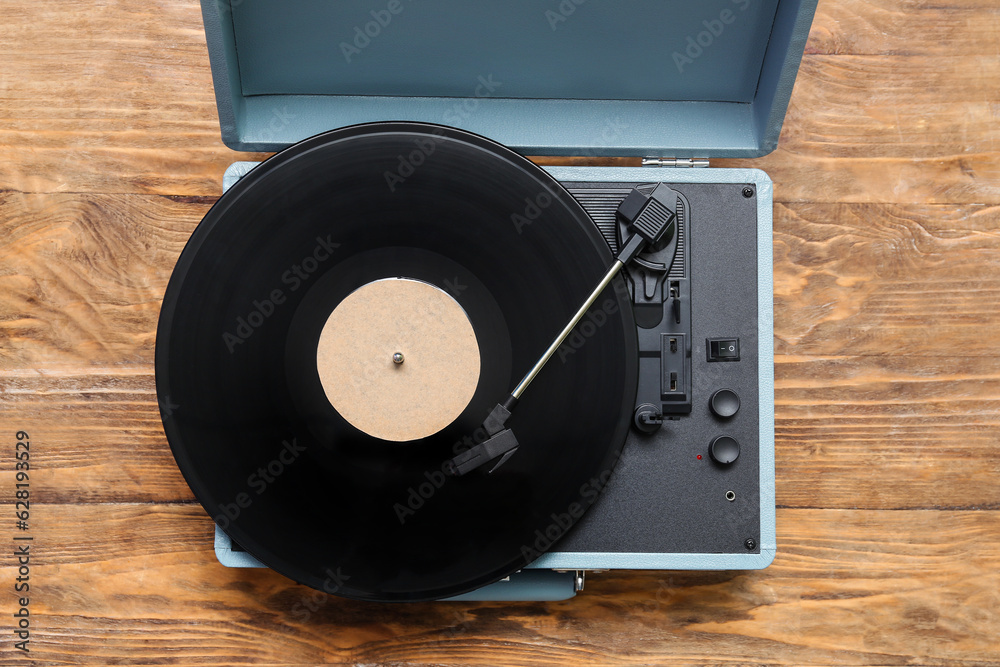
(397, 358)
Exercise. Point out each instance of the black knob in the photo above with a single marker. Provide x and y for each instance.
(724, 449)
(647, 418)
(725, 403)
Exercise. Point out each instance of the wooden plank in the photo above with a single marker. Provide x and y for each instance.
(110, 98)
(870, 107)
(138, 115)
(82, 276)
(872, 279)
(848, 587)
(859, 129)
(907, 130)
(904, 27)
(877, 432)
(888, 432)
(96, 437)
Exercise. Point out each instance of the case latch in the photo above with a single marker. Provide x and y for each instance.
(675, 162)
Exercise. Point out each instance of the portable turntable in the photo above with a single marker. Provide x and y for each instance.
(399, 361)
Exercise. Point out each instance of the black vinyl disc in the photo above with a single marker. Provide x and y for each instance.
(272, 460)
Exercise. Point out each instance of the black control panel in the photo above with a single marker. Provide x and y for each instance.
(688, 480)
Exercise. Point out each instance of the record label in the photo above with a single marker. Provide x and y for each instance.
(398, 359)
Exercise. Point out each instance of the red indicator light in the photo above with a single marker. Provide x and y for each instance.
(699, 457)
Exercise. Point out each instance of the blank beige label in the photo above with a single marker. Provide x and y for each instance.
(436, 367)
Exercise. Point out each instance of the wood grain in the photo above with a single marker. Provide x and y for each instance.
(905, 27)
(138, 115)
(848, 277)
(872, 432)
(887, 280)
(849, 587)
(99, 438)
(887, 432)
(114, 98)
(83, 275)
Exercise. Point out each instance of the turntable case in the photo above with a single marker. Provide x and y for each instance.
(677, 78)
(643, 78)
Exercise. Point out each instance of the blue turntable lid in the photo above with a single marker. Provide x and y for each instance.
(677, 78)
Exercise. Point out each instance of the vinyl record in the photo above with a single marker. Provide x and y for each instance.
(319, 447)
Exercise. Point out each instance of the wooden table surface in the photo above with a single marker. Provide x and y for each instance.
(887, 281)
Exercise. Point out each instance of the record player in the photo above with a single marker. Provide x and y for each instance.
(644, 438)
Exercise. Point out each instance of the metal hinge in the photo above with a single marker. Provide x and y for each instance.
(579, 576)
(675, 162)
